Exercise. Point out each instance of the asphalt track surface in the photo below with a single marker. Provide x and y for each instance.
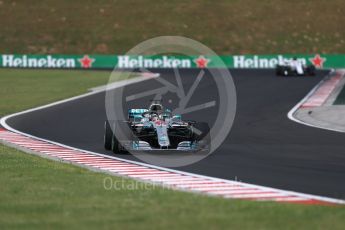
(264, 147)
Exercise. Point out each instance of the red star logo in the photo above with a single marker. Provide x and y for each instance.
(317, 61)
(86, 61)
(201, 61)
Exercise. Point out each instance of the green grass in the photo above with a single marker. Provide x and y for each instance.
(37, 193)
(23, 89)
(227, 26)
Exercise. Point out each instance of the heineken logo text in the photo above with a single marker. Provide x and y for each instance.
(33, 62)
(147, 62)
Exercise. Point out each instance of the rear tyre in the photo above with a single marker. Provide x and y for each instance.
(311, 70)
(202, 135)
(279, 71)
(108, 134)
(115, 145)
(122, 134)
(202, 130)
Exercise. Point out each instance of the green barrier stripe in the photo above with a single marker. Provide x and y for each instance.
(163, 61)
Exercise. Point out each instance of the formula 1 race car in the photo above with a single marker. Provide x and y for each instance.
(155, 129)
(295, 67)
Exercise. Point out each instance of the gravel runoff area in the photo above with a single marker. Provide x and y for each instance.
(328, 116)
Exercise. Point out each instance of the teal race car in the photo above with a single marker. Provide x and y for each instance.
(155, 129)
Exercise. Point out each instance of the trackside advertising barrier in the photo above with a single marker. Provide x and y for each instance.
(162, 61)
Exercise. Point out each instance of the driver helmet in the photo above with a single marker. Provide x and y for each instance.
(156, 108)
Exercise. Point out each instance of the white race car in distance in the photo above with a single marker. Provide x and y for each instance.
(295, 67)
